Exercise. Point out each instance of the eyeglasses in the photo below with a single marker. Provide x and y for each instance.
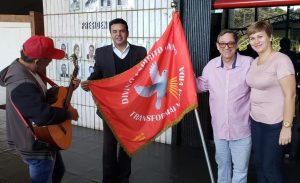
(230, 44)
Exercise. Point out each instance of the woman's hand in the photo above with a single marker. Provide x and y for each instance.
(285, 136)
(288, 86)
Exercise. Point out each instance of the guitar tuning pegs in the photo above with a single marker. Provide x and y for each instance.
(74, 58)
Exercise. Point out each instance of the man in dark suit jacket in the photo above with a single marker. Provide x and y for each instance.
(109, 61)
(64, 71)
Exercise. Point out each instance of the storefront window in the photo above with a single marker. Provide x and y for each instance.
(241, 17)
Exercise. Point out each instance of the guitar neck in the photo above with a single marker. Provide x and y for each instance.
(71, 87)
(69, 95)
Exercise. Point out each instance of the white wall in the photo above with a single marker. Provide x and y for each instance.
(147, 20)
(12, 36)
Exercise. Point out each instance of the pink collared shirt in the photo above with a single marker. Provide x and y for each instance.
(228, 97)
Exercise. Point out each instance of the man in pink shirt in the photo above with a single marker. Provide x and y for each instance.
(224, 78)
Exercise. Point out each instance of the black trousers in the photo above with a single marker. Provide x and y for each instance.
(267, 153)
(116, 162)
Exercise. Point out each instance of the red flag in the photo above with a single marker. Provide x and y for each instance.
(154, 95)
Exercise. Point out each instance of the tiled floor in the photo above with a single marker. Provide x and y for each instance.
(157, 163)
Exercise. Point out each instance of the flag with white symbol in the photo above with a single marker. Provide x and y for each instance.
(154, 95)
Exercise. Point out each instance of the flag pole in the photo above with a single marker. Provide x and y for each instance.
(174, 7)
(204, 146)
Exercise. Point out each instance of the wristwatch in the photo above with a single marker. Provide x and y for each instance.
(287, 124)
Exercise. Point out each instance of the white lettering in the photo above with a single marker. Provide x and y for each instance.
(154, 117)
(181, 76)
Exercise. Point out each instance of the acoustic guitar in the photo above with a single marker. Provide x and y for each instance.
(59, 135)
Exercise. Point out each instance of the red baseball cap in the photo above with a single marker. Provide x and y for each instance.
(38, 47)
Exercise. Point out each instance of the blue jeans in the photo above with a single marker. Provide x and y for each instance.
(234, 153)
(46, 170)
(267, 153)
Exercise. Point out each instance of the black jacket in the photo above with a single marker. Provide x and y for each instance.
(104, 62)
(25, 96)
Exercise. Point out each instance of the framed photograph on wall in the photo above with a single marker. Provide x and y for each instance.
(90, 51)
(91, 5)
(64, 46)
(89, 69)
(75, 5)
(126, 3)
(80, 69)
(64, 70)
(122, 2)
(76, 49)
(105, 3)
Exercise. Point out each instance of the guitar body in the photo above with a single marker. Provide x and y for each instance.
(58, 135)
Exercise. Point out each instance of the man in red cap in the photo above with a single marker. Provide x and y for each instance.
(26, 103)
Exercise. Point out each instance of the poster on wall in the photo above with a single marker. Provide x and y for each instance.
(80, 73)
(105, 3)
(126, 3)
(64, 73)
(80, 70)
(74, 5)
(76, 49)
(90, 51)
(64, 70)
(89, 69)
(123, 2)
(64, 47)
(91, 5)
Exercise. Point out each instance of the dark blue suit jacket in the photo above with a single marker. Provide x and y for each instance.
(105, 65)
(104, 61)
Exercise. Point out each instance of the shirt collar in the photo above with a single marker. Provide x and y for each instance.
(236, 62)
(127, 47)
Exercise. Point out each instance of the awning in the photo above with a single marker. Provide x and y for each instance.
(226, 4)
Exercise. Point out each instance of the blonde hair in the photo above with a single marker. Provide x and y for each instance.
(260, 26)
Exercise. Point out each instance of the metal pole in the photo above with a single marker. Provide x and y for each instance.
(204, 146)
(287, 21)
(256, 14)
(174, 6)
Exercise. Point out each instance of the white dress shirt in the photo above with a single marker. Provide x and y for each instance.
(121, 54)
